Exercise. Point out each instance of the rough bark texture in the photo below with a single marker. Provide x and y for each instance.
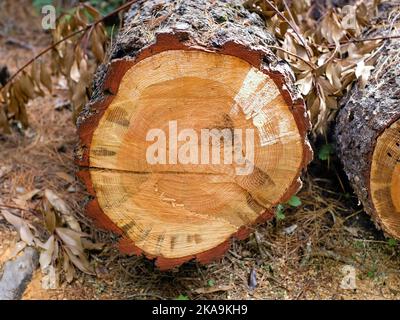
(154, 26)
(366, 113)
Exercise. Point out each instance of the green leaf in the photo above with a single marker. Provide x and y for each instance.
(392, 242)
(280, 212)
(294, 202)
(182, 297)
(211, 283)
(325, 152)
(371, 274)
(358, 244)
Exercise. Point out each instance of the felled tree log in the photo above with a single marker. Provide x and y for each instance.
(189, 85)
(368, 138)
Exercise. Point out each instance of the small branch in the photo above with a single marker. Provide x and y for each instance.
(294, 55)
(54, 45)
(297, 30)
(382, 38)
(41, 54)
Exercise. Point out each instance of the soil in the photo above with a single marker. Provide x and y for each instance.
(299, 257)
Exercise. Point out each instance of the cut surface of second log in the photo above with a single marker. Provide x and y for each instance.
(385, 178)
(193, 147)
(367, 132)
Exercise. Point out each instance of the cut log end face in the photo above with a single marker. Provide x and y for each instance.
(193, 147)
(385, 179)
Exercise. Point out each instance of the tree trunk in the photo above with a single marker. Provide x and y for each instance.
(194, 132)
(368, 137)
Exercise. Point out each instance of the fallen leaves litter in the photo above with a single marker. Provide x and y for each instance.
(66, 247)
(323, 55)
(69, 59)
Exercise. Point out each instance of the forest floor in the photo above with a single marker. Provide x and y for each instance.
(304, 256)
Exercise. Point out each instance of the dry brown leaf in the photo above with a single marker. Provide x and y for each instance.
(13, 103)
(69, 270)
(61, 206)
(19, 94)
(47, 255)
(90, 245)
(26, 234)
(96, 15)
(50, 220)
(23, 116)
(331, 28)
(71, 239)
(4, 126)
(74, 73)
(79, 96)
(35, 74)
(11, 219)
(97, 46)
(27, 86)
(21, 226)
(306, 83)
(333, 73)
(45, 77)
(363, 73)
(57, 202)
(80, 261)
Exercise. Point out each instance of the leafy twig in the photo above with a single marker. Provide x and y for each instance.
(297, 30)
(73, 34)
